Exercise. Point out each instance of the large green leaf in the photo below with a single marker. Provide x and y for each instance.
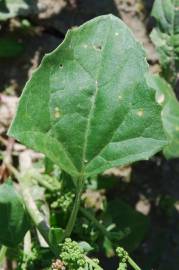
(166, 36)
(14, 221)
(88, 106)
(170, 113)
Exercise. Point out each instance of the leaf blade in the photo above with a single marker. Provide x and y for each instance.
(165, 36)
(88, 94)
(14, 221)
(170, 113)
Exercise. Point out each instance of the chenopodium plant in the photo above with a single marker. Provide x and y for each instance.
(165, 36)
(88, 108)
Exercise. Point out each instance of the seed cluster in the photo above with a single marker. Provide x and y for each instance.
(58, 265)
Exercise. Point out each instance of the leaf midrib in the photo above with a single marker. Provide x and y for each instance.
(91, 112)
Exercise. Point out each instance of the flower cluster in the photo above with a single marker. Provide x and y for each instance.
(64, 202)
(27, 260)
(123, 255)
(72, 255)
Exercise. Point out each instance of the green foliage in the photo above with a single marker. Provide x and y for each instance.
(125, 259)
(55, 237)
(123, 255)
(12, 8)
(165, 36)
(64, 202)
(72, 256)
(28, 260)
(124, 217)
(9, 47)
(88, 107)
(14, 221)
(36, 258)
(111, 231)
(170, 113)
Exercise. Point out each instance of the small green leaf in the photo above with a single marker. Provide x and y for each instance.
(56, 236)
(170, 113)
(108, 247)
(85, 246)
(88, 107)
(14, 222)
(165, 36)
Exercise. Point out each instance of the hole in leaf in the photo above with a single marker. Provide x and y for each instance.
(161, 99)
(98, 47)
(140, 113)
(57, 113)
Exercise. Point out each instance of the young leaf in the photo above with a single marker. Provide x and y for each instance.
(14, 222)
(166, 36)
(170, 113)
(88, 107)
(55, 237)
(85, 246)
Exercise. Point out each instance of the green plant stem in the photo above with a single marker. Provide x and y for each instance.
(91, 262)
(133, 264)
(3, 251)
(105, 233)
(87, 214)
(73, 216)
(31, 207)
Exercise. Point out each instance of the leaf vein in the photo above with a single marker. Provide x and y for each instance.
(86, 135)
